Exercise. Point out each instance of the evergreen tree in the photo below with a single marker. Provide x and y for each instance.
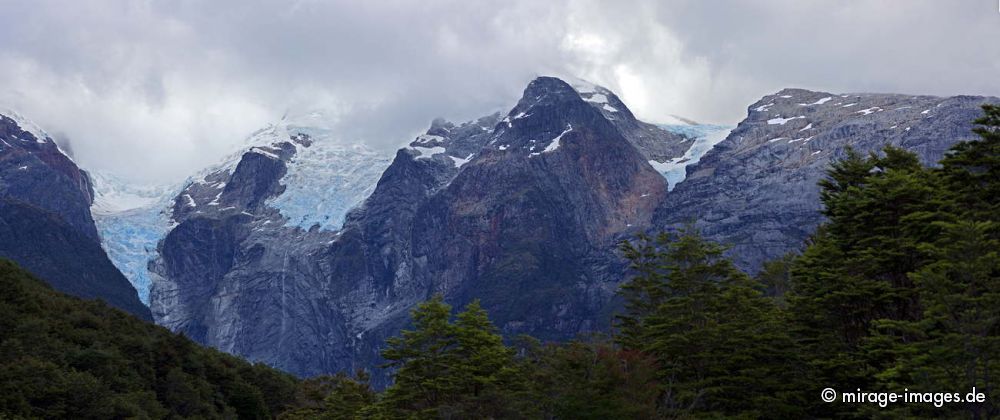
(955, 343)
(776, 278)
(971, 170)
(451, 370)
(592, 379)
(955, 346)
(720, 345)
(337, 397)
(63, 357)
(880, 210)
(646, 290)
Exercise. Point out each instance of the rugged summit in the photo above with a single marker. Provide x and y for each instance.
(757, 190)
(521, 210)
(45, 220)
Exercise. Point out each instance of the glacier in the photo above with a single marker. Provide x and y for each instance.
(325, 179)
(706, 137)
(131, 219)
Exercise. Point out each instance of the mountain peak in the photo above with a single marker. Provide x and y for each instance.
(546, 90)
(25, 124)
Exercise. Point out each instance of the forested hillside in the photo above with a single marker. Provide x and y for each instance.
(62, 357)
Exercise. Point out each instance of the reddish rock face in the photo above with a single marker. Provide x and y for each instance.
(522, 211)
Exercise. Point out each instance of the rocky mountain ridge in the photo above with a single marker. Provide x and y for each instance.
(554, 182)
(45, 221)
(757, 189)
(306, 253)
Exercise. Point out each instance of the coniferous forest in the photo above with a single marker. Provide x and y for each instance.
(898, 290)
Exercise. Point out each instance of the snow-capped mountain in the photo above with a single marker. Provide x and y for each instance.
(553, 182)
(46, 224)
(323, 180)
(305, 252)
(323, 177)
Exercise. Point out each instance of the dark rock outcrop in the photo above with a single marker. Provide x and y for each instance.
(45, 220)
(521, 211)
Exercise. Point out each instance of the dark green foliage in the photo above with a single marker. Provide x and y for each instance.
(776, 278)
(971, 170)
(721, 347)
(62, 357)
(333, 397)
(459, 369)
(956, 343)
(900, 288)
(880, 210)
(592, 379)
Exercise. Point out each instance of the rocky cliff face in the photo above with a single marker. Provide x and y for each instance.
(757, 189)
(45, 220)
(520, 210)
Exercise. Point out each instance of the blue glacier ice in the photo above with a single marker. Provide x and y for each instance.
(325, 180)
(706, 137)
(131, 220)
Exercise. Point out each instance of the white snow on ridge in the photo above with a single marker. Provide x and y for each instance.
(460, 162)
(554, 144)
(26, 124)
(262, 151)
(323, 182)
(820, 101)
(782, 121)
(763, 108)
(426, 152)
(427, 138)
(597, 98)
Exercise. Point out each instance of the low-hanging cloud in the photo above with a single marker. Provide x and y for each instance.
(154, 90)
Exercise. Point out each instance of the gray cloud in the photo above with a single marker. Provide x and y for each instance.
(153, 89)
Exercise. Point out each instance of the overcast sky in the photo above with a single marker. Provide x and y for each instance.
(153, 90)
